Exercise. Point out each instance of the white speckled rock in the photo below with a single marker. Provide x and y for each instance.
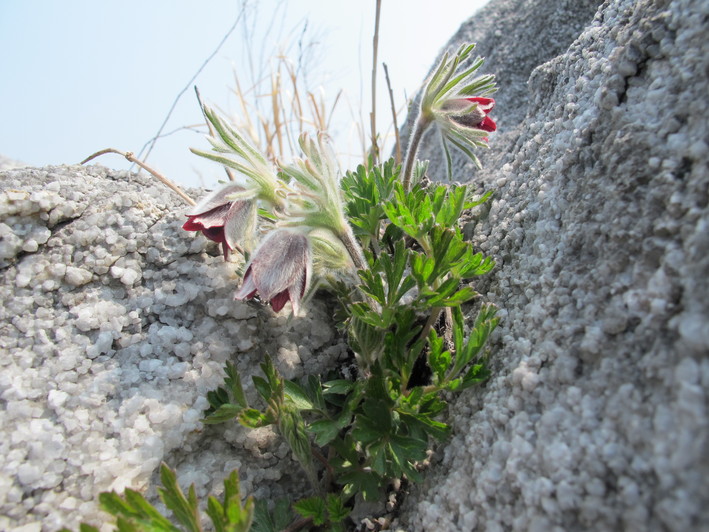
(115, 323)
(596, 415)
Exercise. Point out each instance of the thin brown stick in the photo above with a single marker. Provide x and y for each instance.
(319, 456)
(298, 524)
(278, 126)
(448, 330)
(393, 115)
(373, 115)
(297, 105)
(332, 110)
(317, 112)
(130, 157)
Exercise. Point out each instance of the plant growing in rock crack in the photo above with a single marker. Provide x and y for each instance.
(387, 244)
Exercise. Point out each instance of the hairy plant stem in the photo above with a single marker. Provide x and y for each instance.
(376, 248)
(422, 123)
(348, 240)
(432, 319)
(360, 262)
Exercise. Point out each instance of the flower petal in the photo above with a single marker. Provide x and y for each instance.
(240, 223)
(487, 124)
(215, 199)
(485, 104)
(214, 233)
(297, 291)
(192, 225)
(279, 301)
(283, 257)
(248, 288)
(216, 217)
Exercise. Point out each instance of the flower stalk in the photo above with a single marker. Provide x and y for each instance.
(422, 123)
(353, 248)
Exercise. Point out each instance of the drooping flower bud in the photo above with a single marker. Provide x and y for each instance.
(471, 112)
(229, 222)
(280, 270)
(462, 120)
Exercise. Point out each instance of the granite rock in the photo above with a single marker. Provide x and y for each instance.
(596, 415)
(115, 324)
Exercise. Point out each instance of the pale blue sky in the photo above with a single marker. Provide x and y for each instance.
(82, 75)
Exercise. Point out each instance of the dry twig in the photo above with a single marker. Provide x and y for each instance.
(393, 115)
(373, 115)
(129, 155)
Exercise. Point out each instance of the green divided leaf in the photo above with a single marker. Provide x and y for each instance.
(233, 383)
(231, 516)
(336, 510)
(297, 396)
(313, 507)
(324, 430)
(374, 423)
(340, 387)
(365, 191)
(272, 521)
(253, 419)
(185, 509)
(438, 360)
(226, 403)
(479, 201)
(135, 514)
(411, 211)
(476, 374)
(262, 387)
(368, 483)
(421, 268)
(224, 413)
(449, 208)
(468, 350)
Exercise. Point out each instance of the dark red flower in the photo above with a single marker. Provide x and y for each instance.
(460, 112)
(279, 271)
(227, 222)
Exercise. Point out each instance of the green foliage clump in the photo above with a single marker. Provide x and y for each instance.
(388, 244)
(135, 514)
(406, 315)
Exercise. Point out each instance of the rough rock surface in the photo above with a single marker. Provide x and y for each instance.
(596, 415)
(114, 325)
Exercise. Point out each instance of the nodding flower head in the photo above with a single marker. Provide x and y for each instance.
(471, 112)
(229, 222)
(280, 270)
(462, 119)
